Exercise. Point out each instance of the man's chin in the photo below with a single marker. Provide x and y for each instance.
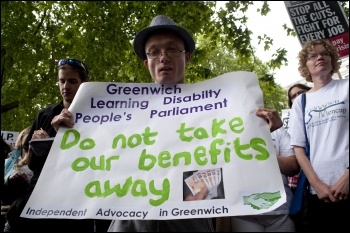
(169, 80)
(68, 98)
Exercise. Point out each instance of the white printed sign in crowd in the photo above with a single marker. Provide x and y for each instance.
(315, 20)
(10, 137)
(285, 117)
(139, 150)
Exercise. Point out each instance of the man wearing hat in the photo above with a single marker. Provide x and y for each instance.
(166, 49)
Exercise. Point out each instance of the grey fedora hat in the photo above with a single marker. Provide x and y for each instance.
(161, 22)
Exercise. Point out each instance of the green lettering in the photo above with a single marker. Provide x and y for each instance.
(239, 148)
(120, 137)
(216, 127)
(66, 135)
(135, 139)
(93, 164)
(163, 158)
(256, 143)
(119, 190)
(76, 164)
(142, 161)
(182, 132)
(236, 125)
(200, 133)
(87, 144)
(199, 155)
(93, 189)
(164, 193)
(138, 141)
(185, 155)
(139, 188)
(214, 151)
(109, 160)
(82, 163)
(147, 135)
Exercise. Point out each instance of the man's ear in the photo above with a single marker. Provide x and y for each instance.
(187, 57)
(145, 63)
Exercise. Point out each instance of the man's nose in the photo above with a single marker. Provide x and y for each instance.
(164, 56)
(66, 85)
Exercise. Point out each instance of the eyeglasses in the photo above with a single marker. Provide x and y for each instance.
(314, 56)
(172, 53)
(297, 93)
(72, 62)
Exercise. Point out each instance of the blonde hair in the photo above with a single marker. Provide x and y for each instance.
(309, 47)
(19, 145)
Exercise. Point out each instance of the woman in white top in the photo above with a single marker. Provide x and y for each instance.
(327, 128)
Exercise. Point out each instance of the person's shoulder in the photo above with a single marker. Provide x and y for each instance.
(279, 132)
(50, 108)
(57, 105)
(340, 85)
(341, 81)
(297, 103)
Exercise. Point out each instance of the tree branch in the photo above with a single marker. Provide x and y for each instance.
(8, 107)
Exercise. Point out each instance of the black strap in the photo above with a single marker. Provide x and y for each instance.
(303, 104)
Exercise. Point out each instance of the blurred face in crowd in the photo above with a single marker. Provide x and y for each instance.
(166, 58)
(295, 91)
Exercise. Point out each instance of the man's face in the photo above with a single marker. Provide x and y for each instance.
(169, 66)
(69, 82)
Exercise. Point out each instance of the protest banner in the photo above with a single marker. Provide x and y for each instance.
(144, 151)
(315, 20)
(10, 137)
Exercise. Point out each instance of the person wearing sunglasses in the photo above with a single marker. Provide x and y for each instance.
(71, 74)
(326, 121)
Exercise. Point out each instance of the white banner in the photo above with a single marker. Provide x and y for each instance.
(144, 151)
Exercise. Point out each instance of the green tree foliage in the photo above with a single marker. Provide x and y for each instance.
(36, 34)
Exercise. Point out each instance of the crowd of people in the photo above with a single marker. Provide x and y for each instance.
(166, 49)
